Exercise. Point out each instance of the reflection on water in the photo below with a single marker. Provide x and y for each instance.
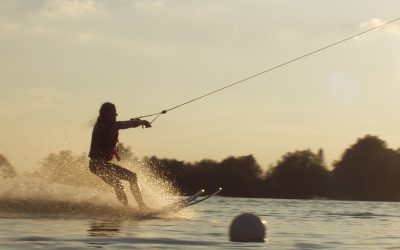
(292, 224)
(103, 228)
(58, 208)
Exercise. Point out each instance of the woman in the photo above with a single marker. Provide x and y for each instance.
(103, 148)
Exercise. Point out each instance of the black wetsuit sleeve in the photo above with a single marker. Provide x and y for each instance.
(128, 124)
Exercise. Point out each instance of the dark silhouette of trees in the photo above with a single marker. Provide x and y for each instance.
(299, 174)
(125, 152)
(237, 176)
(6, 169)
(67, 168)
(169, 169)
(368, 170)
(202, 174)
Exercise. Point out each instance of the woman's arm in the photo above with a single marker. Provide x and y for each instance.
(132, 123)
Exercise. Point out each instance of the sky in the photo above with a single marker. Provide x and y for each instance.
(61, 59)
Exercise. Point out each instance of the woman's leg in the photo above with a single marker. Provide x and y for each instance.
(119, 190)
(127, 175)
(101, 169)
(113, 173)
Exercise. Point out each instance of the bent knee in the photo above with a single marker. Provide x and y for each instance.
(118, 186)
(132, 177)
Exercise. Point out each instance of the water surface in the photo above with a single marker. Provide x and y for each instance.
(292, 224)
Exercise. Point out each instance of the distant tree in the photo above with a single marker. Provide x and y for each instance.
(125, 152)
(239, 176)
(202, 174)
(6, 169)
(299, 174)
(368, 170)
(168, 169)
(67, 168)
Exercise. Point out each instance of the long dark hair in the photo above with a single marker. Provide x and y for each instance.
(105, 109)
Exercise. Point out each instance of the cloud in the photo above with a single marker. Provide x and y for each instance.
(148, 5)
(43, 98)
(30, 99)
(70, 8)
(391, 28)
(76, 38)
(84, 37)
(343, 87)
(8, 27)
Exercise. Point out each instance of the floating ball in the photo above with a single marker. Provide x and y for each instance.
(248, 227)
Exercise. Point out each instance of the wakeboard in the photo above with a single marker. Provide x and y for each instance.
(185, 202)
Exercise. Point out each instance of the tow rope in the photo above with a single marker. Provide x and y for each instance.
(267, 70)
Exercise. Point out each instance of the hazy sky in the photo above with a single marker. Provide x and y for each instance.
(61, 59)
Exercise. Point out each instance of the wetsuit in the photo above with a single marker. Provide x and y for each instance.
(102, 149)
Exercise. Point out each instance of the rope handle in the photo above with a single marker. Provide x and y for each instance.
(157, 115)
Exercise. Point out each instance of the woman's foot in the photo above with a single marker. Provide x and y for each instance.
(144, 208)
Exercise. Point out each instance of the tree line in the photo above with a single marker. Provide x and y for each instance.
(367, 170)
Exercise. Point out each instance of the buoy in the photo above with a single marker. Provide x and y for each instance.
(248, 227)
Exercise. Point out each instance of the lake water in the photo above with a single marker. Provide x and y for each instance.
(292, 224)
